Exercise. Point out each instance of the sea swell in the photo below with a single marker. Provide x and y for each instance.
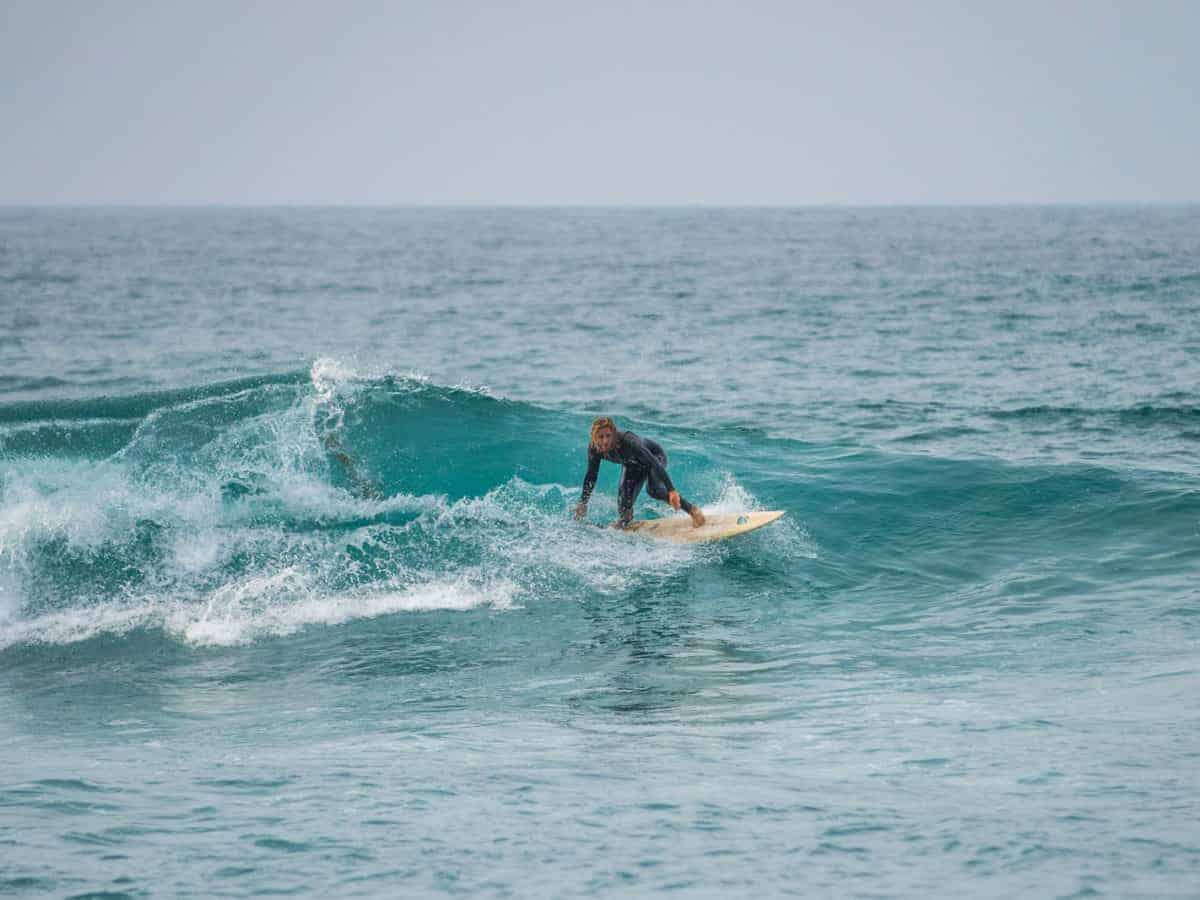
(242, 510)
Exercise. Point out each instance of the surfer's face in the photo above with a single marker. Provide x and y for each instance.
(605, 439)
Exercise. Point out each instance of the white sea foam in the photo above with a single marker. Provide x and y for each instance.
(10, 601)
(732, 498)
(333, 379)
(82, 503)
(79, 624)
(328, 376)
(252, 608)
(236, 626)
(199, 552)
(516, 541)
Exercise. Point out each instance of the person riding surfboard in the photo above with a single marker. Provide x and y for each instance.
(643, 462)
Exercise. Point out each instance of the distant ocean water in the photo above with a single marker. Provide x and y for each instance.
(291, 600)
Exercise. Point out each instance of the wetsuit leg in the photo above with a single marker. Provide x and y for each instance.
(657, 488)
(630, 486)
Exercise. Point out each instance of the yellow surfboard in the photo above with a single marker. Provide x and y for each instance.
(717, 527)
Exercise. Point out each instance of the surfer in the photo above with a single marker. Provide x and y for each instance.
(642, 460)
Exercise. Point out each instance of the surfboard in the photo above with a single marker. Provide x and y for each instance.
(718, 527)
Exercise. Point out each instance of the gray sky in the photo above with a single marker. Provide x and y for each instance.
(612, 103)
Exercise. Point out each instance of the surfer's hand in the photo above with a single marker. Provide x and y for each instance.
(673, 499)
(697, 516)
(580, 510)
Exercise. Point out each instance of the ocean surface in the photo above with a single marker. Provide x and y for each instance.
(292, 602)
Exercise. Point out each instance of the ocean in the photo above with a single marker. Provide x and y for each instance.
(292, 600)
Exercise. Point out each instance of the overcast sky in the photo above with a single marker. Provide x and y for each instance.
(559, 102)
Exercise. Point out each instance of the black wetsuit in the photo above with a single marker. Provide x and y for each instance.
(642, 461)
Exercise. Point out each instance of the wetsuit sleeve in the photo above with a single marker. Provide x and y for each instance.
(593, 469)
(643, 455)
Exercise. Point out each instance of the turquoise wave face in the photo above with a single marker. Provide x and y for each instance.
(251, 509)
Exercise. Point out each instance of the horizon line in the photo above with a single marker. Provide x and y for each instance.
(1005, 204)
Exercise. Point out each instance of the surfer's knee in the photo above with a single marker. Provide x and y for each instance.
(655, 486)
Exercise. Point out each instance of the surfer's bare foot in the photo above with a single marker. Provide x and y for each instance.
(697, 516)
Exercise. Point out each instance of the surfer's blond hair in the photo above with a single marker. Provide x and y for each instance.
(599, 424)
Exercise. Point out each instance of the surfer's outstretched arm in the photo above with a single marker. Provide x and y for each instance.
(589, 482)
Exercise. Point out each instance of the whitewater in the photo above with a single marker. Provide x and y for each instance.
(292, 600)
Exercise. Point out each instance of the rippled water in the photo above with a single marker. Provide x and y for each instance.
(291, 598)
